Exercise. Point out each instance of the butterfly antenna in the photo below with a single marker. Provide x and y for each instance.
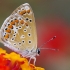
(47, 42)
(50, 49)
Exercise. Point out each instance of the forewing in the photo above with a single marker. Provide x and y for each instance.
(19, 31)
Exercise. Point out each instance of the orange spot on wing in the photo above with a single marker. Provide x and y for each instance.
(6, 36)
(10, 26)
(12, 23)
(22, 21)
(8, 30)
(16, 21)
(26, 24)
(28, 11)
(22, 12)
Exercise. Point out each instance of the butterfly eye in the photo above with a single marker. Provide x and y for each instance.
(38, 51)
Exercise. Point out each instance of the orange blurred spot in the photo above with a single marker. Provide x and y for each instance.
(10, 26)
(22, 21)
(22, 12)
(16, 21)
(6, 36)
(8, 30)
(26, 24)
(12, 23)
(28, 11)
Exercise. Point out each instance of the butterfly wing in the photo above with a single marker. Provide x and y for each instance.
(18, 31)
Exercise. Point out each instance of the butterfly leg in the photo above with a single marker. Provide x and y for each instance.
(32, 58)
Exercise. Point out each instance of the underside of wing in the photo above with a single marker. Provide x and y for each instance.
(19, 31)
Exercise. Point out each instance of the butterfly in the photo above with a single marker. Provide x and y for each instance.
(18, 32)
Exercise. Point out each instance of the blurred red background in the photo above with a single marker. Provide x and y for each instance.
(47, 28)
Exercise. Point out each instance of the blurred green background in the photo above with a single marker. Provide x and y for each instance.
(52, 18)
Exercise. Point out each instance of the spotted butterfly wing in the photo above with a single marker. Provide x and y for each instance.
(18, 31)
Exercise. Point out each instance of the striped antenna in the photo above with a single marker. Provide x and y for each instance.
(47, 42)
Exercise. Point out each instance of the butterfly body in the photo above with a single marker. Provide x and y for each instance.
(18, 31)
